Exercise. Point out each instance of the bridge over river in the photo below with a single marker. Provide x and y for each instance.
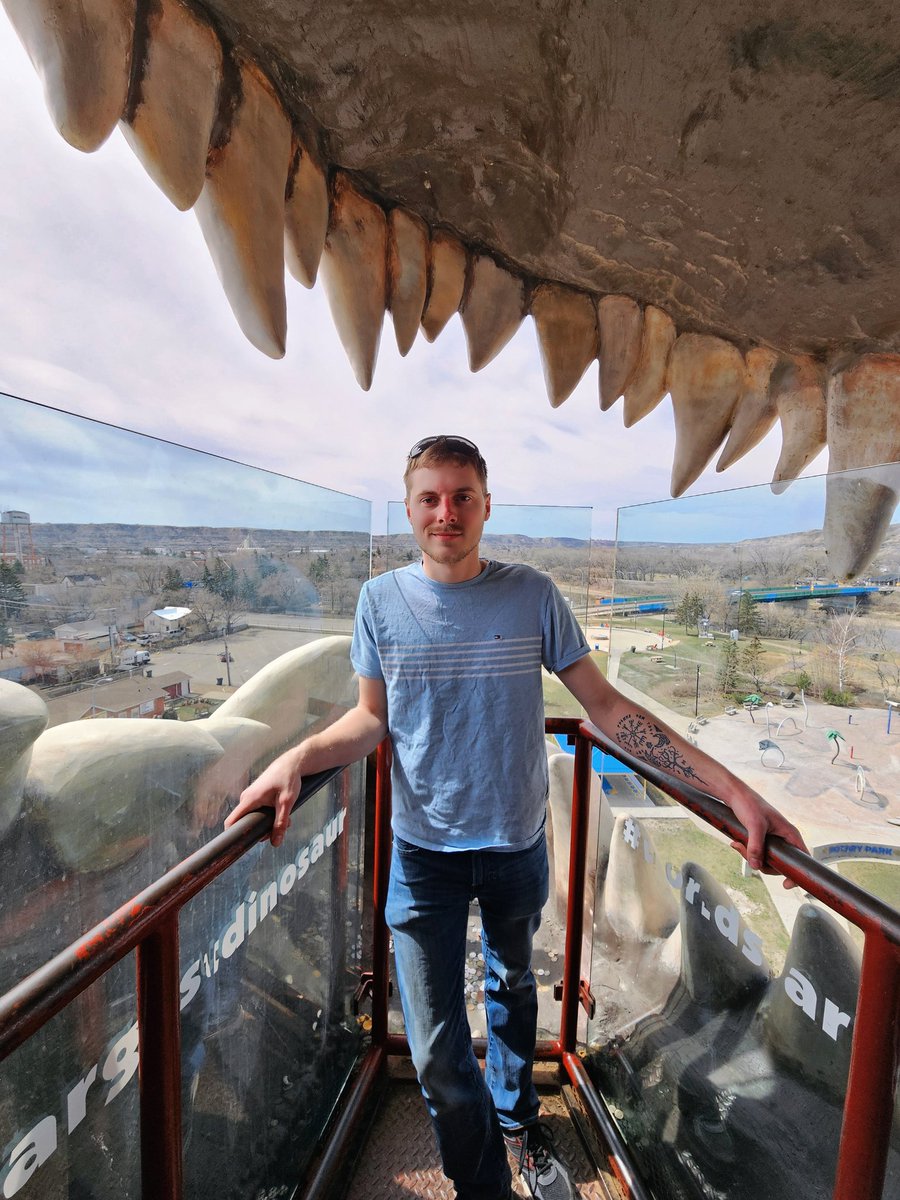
(817, 591)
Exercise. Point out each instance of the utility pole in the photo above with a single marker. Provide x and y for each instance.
(227, 657)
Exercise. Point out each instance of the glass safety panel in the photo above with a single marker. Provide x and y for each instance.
(69, 1100)
(271, 957)
(168, 621)
(557, 542)
(725, 1004)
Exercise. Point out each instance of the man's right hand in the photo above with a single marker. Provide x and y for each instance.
(350, 738)
(278, 788)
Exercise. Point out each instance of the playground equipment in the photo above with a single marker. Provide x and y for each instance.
(835, 738)
(773, 750)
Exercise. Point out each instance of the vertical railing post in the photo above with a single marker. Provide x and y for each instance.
(159, 1034)
(581, 799)
(380, 873)
(872, 1083)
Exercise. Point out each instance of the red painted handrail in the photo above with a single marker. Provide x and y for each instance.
(149, 923)
(875, 1050)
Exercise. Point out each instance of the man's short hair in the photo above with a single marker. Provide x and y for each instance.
(445, 448)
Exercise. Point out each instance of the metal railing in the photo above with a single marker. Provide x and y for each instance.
(875, 1051)
(149, 925)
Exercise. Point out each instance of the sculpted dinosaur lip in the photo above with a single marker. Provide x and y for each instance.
(212, 130)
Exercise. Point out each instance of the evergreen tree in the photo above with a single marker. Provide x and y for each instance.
(728, 668)
(320, 569)
(173, 580)
(12, 594)
(222, 582)
(752, 660)
(248, 590)
(690, 610)
(747, 617)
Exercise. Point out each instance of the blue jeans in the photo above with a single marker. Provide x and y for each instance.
(427, 911)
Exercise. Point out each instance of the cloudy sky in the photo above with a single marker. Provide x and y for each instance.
(110, 308)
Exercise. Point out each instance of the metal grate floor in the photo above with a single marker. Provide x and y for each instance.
(400, 1159)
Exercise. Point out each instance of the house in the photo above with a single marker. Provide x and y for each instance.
(86, 580)
(133, 698)
(163, 621)
(175, 684)
(81, 638)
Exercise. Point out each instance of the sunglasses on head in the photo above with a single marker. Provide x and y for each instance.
(455, 445)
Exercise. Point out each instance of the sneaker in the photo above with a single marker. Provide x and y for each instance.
(545, 1176)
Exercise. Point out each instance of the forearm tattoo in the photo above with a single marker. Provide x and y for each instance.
(647, 741)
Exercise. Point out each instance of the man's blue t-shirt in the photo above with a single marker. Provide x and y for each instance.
(461, 663)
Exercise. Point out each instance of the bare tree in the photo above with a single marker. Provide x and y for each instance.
(208, 609)
(838, 635)
(885, 657)
(772, 562)
(39, 657)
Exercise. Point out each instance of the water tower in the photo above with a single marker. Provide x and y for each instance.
(16, 541)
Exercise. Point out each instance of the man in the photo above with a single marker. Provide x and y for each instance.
(449, 654)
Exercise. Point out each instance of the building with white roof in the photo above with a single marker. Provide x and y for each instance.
(170, 619)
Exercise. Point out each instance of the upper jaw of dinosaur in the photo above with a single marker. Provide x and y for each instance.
(703, 202)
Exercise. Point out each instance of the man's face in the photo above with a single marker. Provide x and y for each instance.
(447, 509)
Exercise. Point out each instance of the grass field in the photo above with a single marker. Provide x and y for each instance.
(678, 842)
(673, 681)
(558, 700)
(881, 879)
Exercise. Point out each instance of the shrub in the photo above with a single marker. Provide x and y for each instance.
(842, 699)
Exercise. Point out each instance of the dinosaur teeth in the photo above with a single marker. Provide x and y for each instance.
(81, 50)
(354, 272)
(862, 405)
(755, 413)
(305, 218)
(647, 384)
(705, 378)
(241, 213)
(566, 323)
(621, 322)
(492, 311)
(170, 127)
(863, 400)
(447, 282)
(797, 388)
(407, 275)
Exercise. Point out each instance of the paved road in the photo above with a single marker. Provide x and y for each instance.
(250, 649)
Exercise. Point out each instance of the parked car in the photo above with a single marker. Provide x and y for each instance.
(38, 635)
(128, 637)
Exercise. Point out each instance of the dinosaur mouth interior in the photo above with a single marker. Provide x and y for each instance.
(700, 196)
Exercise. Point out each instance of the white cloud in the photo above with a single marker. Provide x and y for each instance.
(110, 307)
